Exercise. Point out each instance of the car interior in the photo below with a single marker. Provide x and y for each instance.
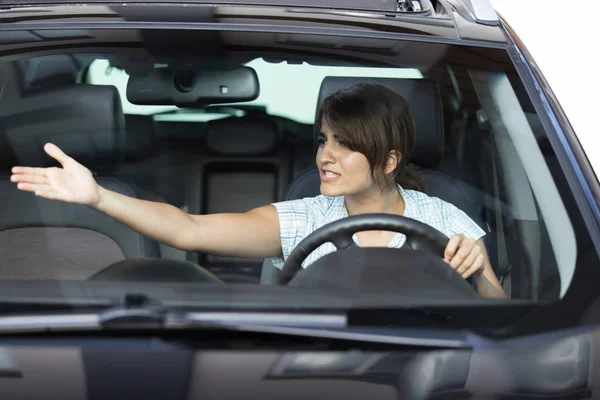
(248, 157)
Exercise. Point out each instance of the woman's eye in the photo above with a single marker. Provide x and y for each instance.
(342, 143)
(322, 141)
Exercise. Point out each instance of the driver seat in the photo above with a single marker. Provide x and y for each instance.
(426, 105)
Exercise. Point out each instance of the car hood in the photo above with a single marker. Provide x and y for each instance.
(557, 364)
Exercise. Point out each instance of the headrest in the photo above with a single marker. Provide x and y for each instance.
(85, 121)
(46, 71)
(140, 136)
(242, 136)
(426, 106)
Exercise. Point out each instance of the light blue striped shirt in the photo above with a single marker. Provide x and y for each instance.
(299, 218)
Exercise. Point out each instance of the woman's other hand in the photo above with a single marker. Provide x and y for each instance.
(465, 256)
(73, 183)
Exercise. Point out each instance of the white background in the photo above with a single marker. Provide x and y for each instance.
(563, 37)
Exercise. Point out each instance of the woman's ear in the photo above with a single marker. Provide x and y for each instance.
(394, 159)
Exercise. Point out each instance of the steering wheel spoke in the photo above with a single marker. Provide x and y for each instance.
(343, 240)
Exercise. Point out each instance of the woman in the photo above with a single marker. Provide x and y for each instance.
(366, 135)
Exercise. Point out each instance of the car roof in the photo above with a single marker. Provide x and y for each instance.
(481, 10)
(466, 20)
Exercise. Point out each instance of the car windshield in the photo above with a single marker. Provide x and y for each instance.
(164, 157)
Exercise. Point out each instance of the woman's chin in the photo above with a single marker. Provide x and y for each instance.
(329, 191)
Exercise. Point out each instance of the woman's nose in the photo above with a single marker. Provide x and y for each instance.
(326, 154)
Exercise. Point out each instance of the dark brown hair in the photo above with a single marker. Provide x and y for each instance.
(373, 120)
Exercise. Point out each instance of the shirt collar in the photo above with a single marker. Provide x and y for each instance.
(340, 206)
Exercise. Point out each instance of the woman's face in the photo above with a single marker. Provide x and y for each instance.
(342, 171)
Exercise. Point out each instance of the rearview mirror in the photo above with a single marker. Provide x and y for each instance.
(193, 88)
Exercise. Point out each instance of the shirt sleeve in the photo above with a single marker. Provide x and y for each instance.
(294, 219)
(458, 222)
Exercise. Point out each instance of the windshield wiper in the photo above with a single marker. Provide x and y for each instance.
(137, 312)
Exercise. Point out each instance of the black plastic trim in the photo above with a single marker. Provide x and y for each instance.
(263, 28)
(389, 6)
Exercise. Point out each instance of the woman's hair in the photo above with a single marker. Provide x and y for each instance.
(373, 120)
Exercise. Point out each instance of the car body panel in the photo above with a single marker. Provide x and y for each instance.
(124, 367)
(358, 22)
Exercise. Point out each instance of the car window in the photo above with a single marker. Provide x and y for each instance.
(480, 149)
(301, 83)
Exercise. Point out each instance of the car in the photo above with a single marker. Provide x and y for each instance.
(210, 107)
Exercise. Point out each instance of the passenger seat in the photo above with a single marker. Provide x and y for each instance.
(143, 169)
(44, 239)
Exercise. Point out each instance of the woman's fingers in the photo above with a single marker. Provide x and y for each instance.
(33, 187)
(29, 178)
(469, 261)
(452, 246)
(37, 180)
(29, 171)
(474, 268)
(460, 248)
(56, 153)
(463, 255)
(45, 191)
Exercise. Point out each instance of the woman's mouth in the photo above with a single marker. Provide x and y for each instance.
(328, 176)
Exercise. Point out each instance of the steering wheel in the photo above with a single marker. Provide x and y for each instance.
(419, 236)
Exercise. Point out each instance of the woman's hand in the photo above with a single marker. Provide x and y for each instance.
(73, 183)
(465, 256)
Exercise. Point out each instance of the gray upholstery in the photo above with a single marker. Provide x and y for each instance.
(47, 71)
(141, 167)
(85, 121)
(22, 209)
(140, 136)
(242, 137)
(55, 253)
(269, 274)
(245, 167)
(88, 123)
(424, 99)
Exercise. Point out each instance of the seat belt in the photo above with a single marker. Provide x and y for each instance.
(504, 266)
